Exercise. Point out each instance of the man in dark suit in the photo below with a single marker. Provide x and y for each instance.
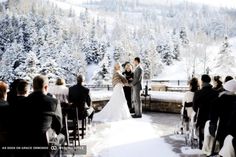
(23, 90)
(79, 96)
(40, 114)
(202, 103)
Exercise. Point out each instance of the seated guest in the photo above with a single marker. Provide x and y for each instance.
(187, 102)
(79, 96)
(60, 91)
(23, 90)
(41, 113)
(228, 78)
(202, 102)
(217, 84)
(12, 94)
(221, 110)
(229, 147)
(4, 114)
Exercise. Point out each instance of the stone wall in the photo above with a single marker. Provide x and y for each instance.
(162, 106)
(153, 105)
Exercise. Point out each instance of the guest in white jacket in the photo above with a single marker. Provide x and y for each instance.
(187, 102)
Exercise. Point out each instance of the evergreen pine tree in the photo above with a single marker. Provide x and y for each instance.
(183, 37)
(225, 61)
(103, 75)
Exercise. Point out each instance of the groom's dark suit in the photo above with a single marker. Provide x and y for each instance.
(136, 88)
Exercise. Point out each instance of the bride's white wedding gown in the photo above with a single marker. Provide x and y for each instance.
(116, 109)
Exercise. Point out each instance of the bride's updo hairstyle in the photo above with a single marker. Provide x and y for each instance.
(117, 67)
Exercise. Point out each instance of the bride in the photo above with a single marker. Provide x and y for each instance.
(116, 109)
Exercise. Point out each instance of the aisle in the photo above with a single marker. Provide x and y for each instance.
(130, 138)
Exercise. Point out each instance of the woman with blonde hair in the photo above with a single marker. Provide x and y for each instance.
(116, 109)
(60, 91)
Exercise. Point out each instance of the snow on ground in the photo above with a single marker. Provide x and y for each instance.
(185, 149)
(189, 151)
(150, 136)
(128, 138)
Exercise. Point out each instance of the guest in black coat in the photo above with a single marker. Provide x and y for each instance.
(23, 89)
(79, 96)
(228, 78)
(222, 111)
(232, 126)
(12, 94)
(40, 114)
(202, 102)
(129, 75)
(218, 84)
(4, 115)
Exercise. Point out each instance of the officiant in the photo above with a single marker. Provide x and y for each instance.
(129, 75)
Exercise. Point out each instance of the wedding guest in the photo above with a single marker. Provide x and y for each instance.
(40, 113)
(23, 89)
(202, 102)
(79, 96)
(4, 114)
(12, 94)
(222, 111)
(187, 102)
(217, 84)
(60, 91)
(228, 78)
(129, 75)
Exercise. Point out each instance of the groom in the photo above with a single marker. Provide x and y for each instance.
(136, 88)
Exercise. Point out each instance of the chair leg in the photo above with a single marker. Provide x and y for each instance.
(77, 120)
(67, 131)
(75, 132)
(83, 127)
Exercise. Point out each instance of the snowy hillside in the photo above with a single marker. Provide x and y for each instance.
(182, 69)
(174, 39)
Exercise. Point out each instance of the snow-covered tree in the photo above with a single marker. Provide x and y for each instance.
(176, 46)
(146, 63)
(156, 64)
(103, 74)
(166, 53)
(183, 36)
(11, 59)
(118, 51)
(225, 61)
(30, 68)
